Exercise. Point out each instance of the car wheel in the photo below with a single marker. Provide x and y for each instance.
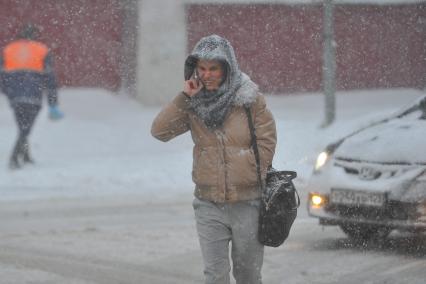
(365, 232)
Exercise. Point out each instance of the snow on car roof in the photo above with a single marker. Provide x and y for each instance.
(399, 140)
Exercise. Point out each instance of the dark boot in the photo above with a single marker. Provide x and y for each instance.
(13, 162)
(17, 150)
(26, 157)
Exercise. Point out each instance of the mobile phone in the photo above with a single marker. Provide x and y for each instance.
(197, 77)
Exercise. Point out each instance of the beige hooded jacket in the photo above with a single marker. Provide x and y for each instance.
(224, 166)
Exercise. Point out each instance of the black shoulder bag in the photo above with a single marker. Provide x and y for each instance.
(280, 200)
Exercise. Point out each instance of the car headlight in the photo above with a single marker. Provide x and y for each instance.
(317, 200)
(325, 155)
(321, 160)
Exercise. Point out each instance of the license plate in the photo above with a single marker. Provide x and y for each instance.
(352, 197)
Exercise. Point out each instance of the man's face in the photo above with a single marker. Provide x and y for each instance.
(211, 73)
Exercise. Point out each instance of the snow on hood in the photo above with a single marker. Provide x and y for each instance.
(396, 141)
(214, 47)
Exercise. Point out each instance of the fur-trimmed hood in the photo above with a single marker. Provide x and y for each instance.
(247, 92)
(214, 47)
(212, 106)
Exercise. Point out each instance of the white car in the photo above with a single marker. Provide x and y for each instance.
(374, 180)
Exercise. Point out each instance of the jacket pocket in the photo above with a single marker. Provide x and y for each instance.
(241, 167)
(205, 166)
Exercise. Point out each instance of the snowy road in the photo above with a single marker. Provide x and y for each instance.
(107, 203)
(129, 240)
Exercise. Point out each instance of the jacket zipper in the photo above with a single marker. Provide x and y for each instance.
(219, 135)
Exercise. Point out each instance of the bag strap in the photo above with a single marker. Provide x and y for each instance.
(291, 174)
(255, 148)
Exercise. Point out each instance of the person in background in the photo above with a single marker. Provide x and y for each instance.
(227, 194)
(26, 73)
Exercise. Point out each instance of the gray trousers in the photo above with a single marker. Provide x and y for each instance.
(218, 224)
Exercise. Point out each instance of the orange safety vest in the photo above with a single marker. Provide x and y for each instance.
(24, 55)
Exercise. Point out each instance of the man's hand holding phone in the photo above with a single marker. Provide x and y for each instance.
(192, 86)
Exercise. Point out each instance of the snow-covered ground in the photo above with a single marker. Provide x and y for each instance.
(106, 203)
(104, 145)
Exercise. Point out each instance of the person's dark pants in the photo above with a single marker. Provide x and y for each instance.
(25, 115)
